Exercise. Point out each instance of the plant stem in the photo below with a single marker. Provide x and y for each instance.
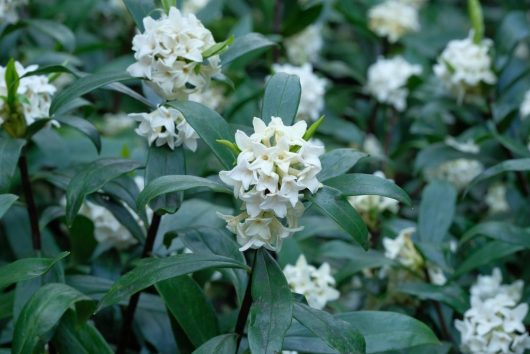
(128, 317)
(441, 316)
(245, 305)
(30, 202)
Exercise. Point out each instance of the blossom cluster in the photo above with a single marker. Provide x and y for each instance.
(368, 204)
(313, 89)
(496, 198)
(36, 90)
(275, 166)
(459, 172)
(393, 19)
(494, 323)
(8, 10)
(387, 80)
(317, 285)
(304, 47)
(166, 126)
(464, 65)
(169, 54)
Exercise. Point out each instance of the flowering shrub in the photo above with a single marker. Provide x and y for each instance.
(305, 176)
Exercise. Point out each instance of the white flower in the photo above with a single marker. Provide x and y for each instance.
(304, 47)
(402, 249)
(387, 80)
(313, 90)
(496, 198)
(459, 172)
(115, 123)
(525, 105)
(372, 146)
(166, 126)
(212, 97)
(393, 19)
(468, 146)
(107, 229)
(488, 286)
(194, 6)
(169, 55)
(416, 3)
(374, 203)
(317, 285)
(36, 89)
(464, 65)
(8, 10)
(275, 166)
(436, 274)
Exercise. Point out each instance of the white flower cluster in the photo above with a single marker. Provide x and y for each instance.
(524, 110)
(387, 80)
(464, 65)
(304, 47)
(166, 126)
(37, 90)
(212, 97)
(274, 167)
(115, 123)
(459, 172)
(496, 199)
(393, 19)
(317, 285)
(8, 10)
(372, 146)
(494, 323)
(374, 203)
(313, 90)
(169, 55)
(107, 229)
(194, 6)
(402, 249)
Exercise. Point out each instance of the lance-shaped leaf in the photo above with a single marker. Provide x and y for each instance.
(6, 201)
(250, 43)
(226, 343)
(437, 209)
(338, 162)
(85, 127)
(450, 294)
(505, 166)
(9, 153)
(57, 31)
(486, 254)
(499, 230)
(282, 97)
(140, 9)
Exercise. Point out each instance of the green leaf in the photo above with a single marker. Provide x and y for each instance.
(40, 315)
(217, 47)
(91, 178)
(367, 184)
(27, 268)
(437, 209)
(150, 271)
(312, 129)
(168, 4)
(332, 203)
(57, 31)
(477, 20)
(486, 254)
(210, 126)
(282, 97)
(162, 161)
(84, 338)
(249, 43)
(190, 307)
(170, 184)
(505, 166)
(139, 9)
(338, 334)
(85, 127)
(12, 82)
(499, 230)
(6, 201)
(272, 306)
(85, 85)
(10, 150)
(514, 28)
(451, 294)
(226, 343)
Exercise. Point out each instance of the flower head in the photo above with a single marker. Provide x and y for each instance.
(387, 81)
(402, 249)
(169, 55)
(459, 172)
(8, 10)
(393, 19)
(496, 198)
(370, 204)
(304, 47)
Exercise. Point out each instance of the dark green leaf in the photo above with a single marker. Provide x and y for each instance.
(139, 9)
(514, 28)
(486, 254)
(188, 304)
(91, 178)
(437, 209)
(281, 99)
(505, 166)
(451, 294)
(249, 43)
(272, 306)
(9, 153)
(226, 343)
(338, 334)
(12, 82)
(153, 270)
(6, 200)
(85, 127)
(41, 313)
(210, 126)
(501, 231)
(337, 162)
(332, 203)
(217, 47)
(27, 268)
(57, 31)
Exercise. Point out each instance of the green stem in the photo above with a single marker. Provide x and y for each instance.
(245, 305)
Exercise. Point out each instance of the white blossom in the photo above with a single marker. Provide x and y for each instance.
(8, 10)
(194, 6)
(115, 123)
(36, 90)
(317, 285)
(374, 203)
(524, 110)
(416, 3)
(166, 126)
(372, 146)
(304, 47)
(212, 97)
(275, 166)
(169, 55)
(496, 198)
(402, 250)
(387, 80)
(488, 286)
(464, 65)
(436, 274)
(313, 90)
(393, 19)
(468, 146)
(459, 172)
